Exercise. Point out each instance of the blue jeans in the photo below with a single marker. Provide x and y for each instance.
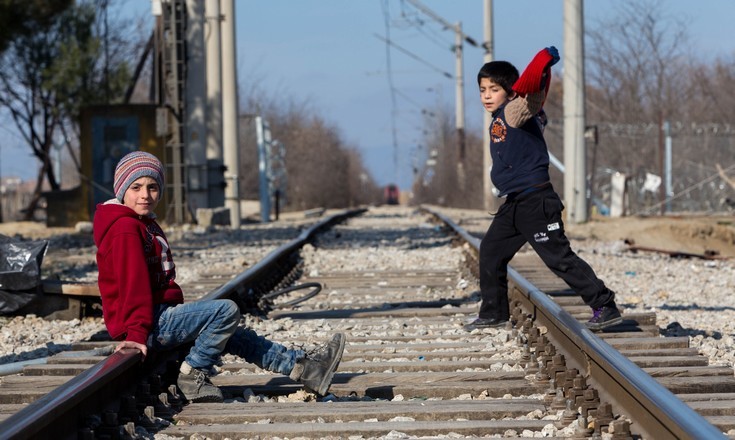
(213, 327)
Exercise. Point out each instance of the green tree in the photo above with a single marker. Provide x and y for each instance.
(48, 75)
(21, 17)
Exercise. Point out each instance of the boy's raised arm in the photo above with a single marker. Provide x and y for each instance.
(532, 87)
(537, 75)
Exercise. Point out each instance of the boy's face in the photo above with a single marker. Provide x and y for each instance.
(142, 195)
(492, 95)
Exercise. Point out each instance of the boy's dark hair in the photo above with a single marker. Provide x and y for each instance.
(502, 73)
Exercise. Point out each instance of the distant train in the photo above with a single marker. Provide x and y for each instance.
(391, 194)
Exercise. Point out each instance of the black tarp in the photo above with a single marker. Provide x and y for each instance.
(20, 271)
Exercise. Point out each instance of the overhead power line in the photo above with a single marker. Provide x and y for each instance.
(414, 56)
(443, 22)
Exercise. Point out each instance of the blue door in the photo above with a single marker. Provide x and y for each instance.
(112, 138)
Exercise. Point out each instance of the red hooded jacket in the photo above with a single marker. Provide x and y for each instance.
(136, 270)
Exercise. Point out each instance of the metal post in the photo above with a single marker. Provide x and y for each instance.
(459, 104)
(591, 134)
(491, 203)
(459, 99)
(214, 103)
(195, 94)
(174, 78)
(575, 185)
(264, 138)
(667, 161)
(230, 119)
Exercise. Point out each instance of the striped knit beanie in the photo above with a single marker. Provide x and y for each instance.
(132, 167)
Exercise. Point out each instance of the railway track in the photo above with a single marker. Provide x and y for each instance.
(400, 285)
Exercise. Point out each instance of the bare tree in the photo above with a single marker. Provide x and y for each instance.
(432, 182)
(642, 77)
(322, 170)
(635, 59)
(444, 178)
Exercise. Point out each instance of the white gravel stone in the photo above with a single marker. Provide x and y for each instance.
(691, 297)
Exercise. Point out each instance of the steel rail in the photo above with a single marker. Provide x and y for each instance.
(234, 287)
(52, 415)
(656, 411)
(47, 416)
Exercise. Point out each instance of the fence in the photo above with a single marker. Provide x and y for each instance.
(14, 197)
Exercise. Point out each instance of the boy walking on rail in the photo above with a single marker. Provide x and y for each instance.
(144, 307)
(532, 210)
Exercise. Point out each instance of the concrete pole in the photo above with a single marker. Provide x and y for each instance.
(213, 39)
(575, 184)
(491, 203)
(459, 92)
(195, 157)
(459, 104)
(230, 119)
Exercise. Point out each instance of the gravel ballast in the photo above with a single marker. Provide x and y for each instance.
(690, 296)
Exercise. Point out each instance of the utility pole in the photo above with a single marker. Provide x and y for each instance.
(459, 93)
(459, 104)
(230, 120)
(213, 35)
(459, 70)
(195, 94)
(575, 184)
(491, 203)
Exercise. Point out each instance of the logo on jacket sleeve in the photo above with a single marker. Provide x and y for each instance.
(498, 130)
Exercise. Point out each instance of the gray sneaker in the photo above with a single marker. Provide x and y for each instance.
(481, 323)
(604, 317)
(316, 370)
(196, 386)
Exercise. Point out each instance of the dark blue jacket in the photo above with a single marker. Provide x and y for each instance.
(520, 157)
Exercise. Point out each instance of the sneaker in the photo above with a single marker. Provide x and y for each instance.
(485, 323)
(316, 370)
(195, 385)
(604, 317)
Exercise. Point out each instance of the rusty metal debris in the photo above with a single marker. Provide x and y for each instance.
(707, 255)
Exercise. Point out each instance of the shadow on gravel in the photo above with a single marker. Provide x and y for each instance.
(676, 329)
(695, 306)
(426, 236)
(41, 352)
(396, 308)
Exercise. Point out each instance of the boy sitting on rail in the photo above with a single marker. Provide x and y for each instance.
(532, 210)
(144, 307)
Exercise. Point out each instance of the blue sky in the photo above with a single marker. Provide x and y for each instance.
(326, 52)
